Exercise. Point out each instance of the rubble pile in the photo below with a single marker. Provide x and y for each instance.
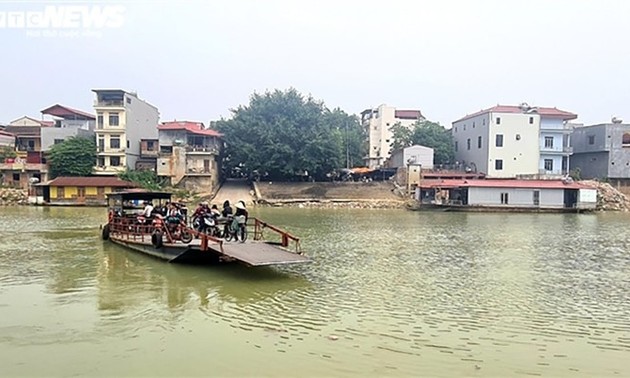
(12, 196)
(608, 198)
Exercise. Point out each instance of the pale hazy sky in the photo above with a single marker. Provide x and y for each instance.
(198, 59)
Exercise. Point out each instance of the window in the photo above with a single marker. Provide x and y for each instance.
(499, 140)
(99, 120)
(57, 141)
(591, 139)
(16, 177)
(518, 136)
(456, 146)
(479, 141)
(150, 145)
(31, 145)
(548, 142)
(456, 129)
(114, 161)
(113, 119)
(504, 198)
(114, 143)
(625, 139)
(464, 127)
(498, 165)
(498, 120)
(100, 161)
(127, 143)
(483, 121)
(468, 143)
(473, 124)
(60, 192)
(548, 164)
(128, 100)
(531, 120)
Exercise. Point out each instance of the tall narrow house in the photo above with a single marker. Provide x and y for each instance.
(122, 121)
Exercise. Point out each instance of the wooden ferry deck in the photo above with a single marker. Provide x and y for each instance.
(255, 253)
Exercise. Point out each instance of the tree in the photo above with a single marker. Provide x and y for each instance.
(284, 134)
(76, 156)
(7, 152)
(144, 178)
(428, 134)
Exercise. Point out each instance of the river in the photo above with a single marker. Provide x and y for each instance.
(389, 293)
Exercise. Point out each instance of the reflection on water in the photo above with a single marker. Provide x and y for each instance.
(389, 293)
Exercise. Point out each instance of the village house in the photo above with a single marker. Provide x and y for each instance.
(68, 123)
(79, 190)
(189, 155)
(603, 152)
(122, 121)
(507, 194)
(7, 140)
(377, 123)
(507, 141)
(29, 165)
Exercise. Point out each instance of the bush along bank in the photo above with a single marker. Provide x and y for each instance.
(12, 196)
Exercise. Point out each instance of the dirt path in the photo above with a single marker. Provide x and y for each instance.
(233, 191)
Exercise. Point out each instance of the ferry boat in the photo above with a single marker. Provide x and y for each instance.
(179, 243)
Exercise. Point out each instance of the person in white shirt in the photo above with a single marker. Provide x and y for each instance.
(148, 209)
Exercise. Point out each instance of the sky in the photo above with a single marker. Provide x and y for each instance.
(197, 60)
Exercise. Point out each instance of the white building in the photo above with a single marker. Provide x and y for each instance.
(377, 123)
(122, 120)
(68, 123)
(505, 141)
(415, 155)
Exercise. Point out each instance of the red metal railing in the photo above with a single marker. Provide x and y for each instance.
(285, 236)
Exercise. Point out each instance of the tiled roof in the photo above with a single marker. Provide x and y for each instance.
(2, 132)
(64, 111)
(504, 183)
(408, 114)
(543, 111)
(110, 181)
(192, 127)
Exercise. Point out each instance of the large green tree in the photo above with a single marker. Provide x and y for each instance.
(284, 133)
(76, 156)
(428, 134)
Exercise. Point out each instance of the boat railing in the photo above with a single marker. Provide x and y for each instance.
(128, 228)
(285, 236)
(206, 239)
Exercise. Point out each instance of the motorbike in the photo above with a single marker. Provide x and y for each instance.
(238, 234)
(207, 224)
(171, 231)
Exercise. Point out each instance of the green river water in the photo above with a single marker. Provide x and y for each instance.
(389, 293)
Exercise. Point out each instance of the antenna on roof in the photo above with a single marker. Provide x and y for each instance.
(616, 120)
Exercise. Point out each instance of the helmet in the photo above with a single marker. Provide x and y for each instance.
(240, 205)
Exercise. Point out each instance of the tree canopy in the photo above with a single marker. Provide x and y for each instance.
(146, 179)
(76, 156)
(428, 134)
(284, 134)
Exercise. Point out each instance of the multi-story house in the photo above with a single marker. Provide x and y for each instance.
(7, 139)
(189, 155)
(377, 123)
(122, 121)
(68, 122)
(603, 151)
(506, 141)
(29, 166)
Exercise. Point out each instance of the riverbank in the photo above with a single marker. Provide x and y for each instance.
(13, 197)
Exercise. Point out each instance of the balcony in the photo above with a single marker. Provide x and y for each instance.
(109, 104)
(110, 151)
(108, 170)
(565, 129)
(25, 148)
(149, 153)
(198, 172)
(557, 151)
(202, 150)
(24, 167)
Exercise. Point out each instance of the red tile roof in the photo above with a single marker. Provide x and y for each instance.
(64, 111)
(408, 114)
(192, 127)
(110, 181)
(504, 183)
(543, 111)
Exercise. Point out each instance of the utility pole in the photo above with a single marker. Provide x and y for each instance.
(347, 149)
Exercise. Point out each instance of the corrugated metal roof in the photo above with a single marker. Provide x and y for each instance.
(507, 183)
(103, 181)
(64, 111)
